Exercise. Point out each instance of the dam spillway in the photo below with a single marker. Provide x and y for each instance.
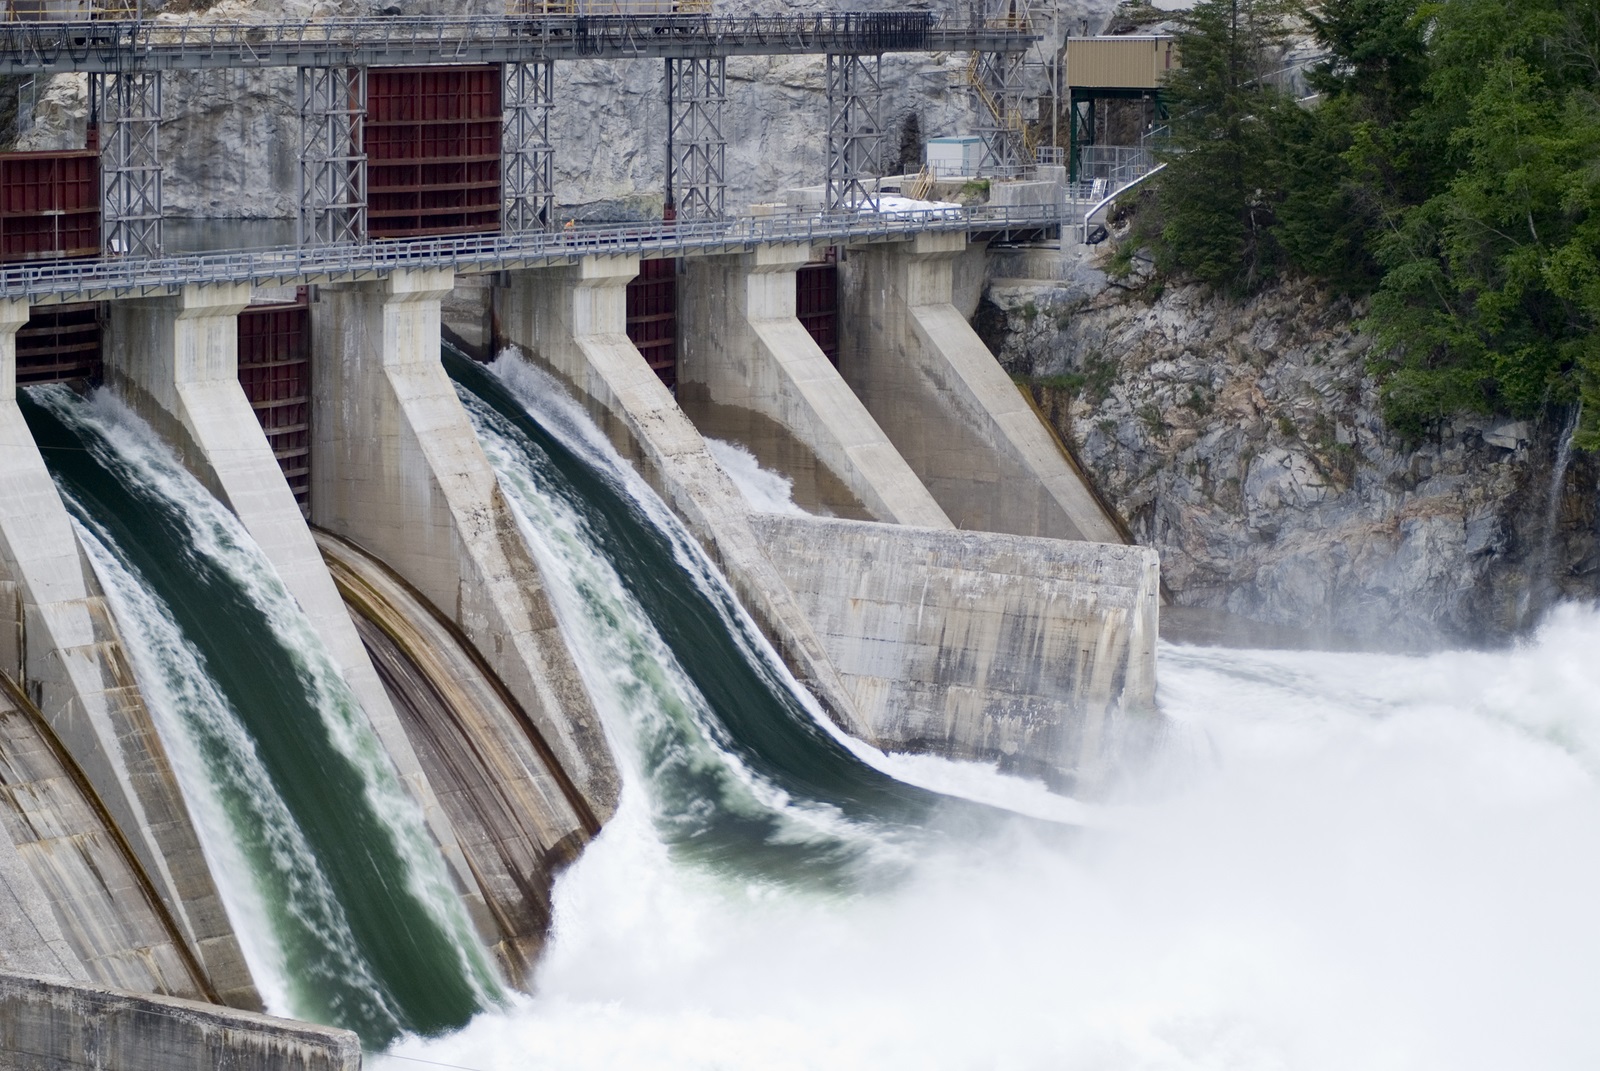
(335, 855)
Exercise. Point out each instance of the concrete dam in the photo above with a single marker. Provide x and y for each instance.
(329, 644)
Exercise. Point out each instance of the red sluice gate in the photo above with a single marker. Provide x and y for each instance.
(817, 303)
(432, 139)
(653, 317)
(275, 372)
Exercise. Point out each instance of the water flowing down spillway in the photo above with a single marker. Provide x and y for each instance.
(344, 909)
(1341, 860)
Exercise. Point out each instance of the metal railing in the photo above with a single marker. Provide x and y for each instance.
(178, 43)
(132, 276)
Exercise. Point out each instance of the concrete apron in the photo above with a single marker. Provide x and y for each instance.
(49, 1024)
(60, 645)
(742, 346)
(572, 322)
(399, 471)
(948, 406)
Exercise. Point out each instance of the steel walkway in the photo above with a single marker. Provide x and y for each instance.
(51, 282)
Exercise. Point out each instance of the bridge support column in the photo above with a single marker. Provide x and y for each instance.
(526, 156)
(176, 360)
(59, 645)
(748, 363)
(945, 402)
(399, 471)
(132, 162)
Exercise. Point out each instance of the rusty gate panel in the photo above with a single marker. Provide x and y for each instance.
(275, 372)
(49, 205)
(653, 317)
(817, 303)
(59, 344)
(432, 138)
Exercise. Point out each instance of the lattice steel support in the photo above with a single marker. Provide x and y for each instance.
(333, 168)
(527, 159)
(855, 131)
(697, 89)
(131, 162)
(997, 79)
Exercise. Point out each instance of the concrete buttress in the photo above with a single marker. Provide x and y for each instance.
(60, 646)
(572, 321)
(743, 351)
(948, 406)
(397, 469)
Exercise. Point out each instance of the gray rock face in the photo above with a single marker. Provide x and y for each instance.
(1245, 443)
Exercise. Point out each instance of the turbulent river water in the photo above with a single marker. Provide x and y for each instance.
(1340, 860)
(1336, 860)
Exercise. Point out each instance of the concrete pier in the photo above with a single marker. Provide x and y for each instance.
(976, 645)
(572, 322)
(49, 1025)
(954, 414)
(176, 362)
(742, 351)
(398, 471)
(60, 646)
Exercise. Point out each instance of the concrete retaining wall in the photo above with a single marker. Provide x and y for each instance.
(975, 645)
(54, 1026)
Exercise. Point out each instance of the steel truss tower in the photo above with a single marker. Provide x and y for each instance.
(333, 166)
(131, 162)
(997, 78)
(697, 151)
(855, 131)
(527, 157)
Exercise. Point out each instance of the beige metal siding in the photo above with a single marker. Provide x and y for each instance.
(1120, 62)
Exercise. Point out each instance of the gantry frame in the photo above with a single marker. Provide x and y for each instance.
(697, 90)
(855, 132)
(332, 182)
(527, 158)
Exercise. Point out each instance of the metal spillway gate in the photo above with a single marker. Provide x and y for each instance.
(275, 372)
(653, 317)
(432, 137)
(816, 303)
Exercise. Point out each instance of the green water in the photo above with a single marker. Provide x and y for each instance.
(412, 972)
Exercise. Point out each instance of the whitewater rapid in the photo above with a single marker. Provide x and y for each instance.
(1341, 861)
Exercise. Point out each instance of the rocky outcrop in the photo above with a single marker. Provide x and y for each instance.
(1245, 443)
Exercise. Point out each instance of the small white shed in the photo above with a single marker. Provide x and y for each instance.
(955, 157)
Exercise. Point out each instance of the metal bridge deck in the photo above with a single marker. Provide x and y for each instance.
(178, 44)
(43, 283)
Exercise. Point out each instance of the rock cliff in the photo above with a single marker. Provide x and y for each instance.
(1245, 443)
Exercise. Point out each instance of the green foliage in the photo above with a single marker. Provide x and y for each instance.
(1450, 169)
(1213, 200)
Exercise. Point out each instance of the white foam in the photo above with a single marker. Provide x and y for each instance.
(765, 490)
